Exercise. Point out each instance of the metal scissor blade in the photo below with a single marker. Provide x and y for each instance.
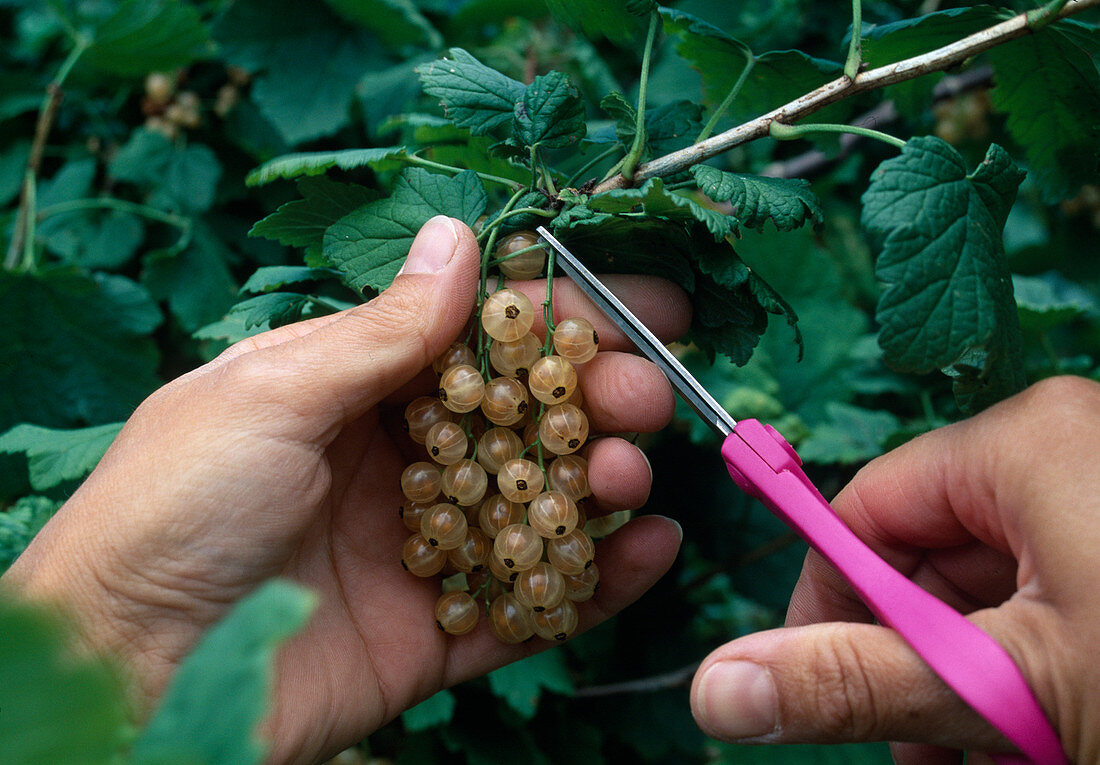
(693, 394)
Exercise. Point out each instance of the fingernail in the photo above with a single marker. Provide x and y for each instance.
(737, 700)
(433, 247)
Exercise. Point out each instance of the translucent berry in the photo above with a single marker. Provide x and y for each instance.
(422, 413)
(457, 353)
(552, 379)
(520, 480)
(484, 578)
(444, 526)
(507, 315)
(569, 475)
(572, 553)
(576, 340)
(446, 443)
(456, 612)
(514, 359)
(497, 512)
(511, 621)
(581, 587)
(557, 623)
(528, 265)
(410, 513)
(563, 428)
(473, 553)
(501, 572)
(552, 514)
(518, 547)
(461, 388)
(420, 558)
(496, 446)
(606, 524)
(539, 587)
(464, 482)
(420, 482)
(505, 401)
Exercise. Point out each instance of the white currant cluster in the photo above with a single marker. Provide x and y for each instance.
(500, 497)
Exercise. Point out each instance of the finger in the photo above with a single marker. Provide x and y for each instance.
(340, 369)
(625, 394)
(661, 305)
(925, 754)
(618, 474)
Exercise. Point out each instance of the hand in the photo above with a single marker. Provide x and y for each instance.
(999, 516)
(282, 458)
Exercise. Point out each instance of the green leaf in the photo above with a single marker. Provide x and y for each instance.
(1050, 300)
(668, 127)
(183, 177)
(550, 113)
(397, 23)
(434, 711)
(197, 284)
(18, 525)
(521, 683)
(948, 302)
(302, 223)
(57, 707)
(146, 36)
(1050, 89)
(612, 245)
(100, 239)
(756, 199)
(220, 692)
(270, 278)
(657, 201)
(802, 754)
(851, 434)
(317, 162)
(56, 456)
(13, 166)
(620, 22)
(274, 309)
(59, 369)
(473, 95)
(370, 244)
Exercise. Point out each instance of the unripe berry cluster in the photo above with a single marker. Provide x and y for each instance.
(500, 496)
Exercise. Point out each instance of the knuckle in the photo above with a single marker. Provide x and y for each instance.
(843, 695)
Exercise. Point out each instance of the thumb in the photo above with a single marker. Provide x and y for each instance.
(339, 370)
(831, 683)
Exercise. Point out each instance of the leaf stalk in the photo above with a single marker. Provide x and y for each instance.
(855, 45)
(782, 132)
(636, 149)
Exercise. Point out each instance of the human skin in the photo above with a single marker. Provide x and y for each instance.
(282, 457)
(999, 516)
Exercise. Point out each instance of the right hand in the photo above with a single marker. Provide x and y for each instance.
(999, 516)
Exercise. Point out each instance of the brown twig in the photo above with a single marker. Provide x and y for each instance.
(42, 128)
(839, 89)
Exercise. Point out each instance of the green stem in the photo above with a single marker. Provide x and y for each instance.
(855, 50)
(414, 159)
(30, 197)
(548, 304)
(712, 123)
(185, 225)
(782, 132)
(511, 213)
(1040, 17)
(635, 153)
(483, 280)
(592, 163)
(517, 253)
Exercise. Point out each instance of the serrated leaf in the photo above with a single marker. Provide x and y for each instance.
(56, 456)
(618, 21)
(656, 201)
(57, 707)
(474, 96)
(59, 369)
(611, 245)
(397, 23)
(370, 244)
(302, 223)
(144, 36)
(668, 127)
(273, 309)
(1050, 90)
(948, 302)
(521, 683)
(550, 114)
(317, 162)
(850, 434)
(433, 711)
(220, 692)
(270, 278)
(788, 203)
(18, 525)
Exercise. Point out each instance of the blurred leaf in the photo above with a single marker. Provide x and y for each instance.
(520, 683)
(197, 283)
(550, 114)
(850, 434)
(941, 229)
(55, 456)
(756, 199)
(185, 176)
(56, 707)
(220, 692)
(433, 711)
(1048, 301)
(13, 165)
(102, 239)
(803, 754)
(397, 23)
(474, 96)
(18, 525)
(370, 244)
(315, 163)
(623, 23)
(147, 36)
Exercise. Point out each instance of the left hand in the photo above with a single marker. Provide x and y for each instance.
(281, 458)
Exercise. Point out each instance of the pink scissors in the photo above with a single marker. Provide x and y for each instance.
(765, 466)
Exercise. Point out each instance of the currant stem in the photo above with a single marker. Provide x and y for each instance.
(184, 224)
(510, 213)
(509, 256)
(1040, 17)
(782, 132)
(708, 129)
(635, 153)
(416, 159)
(855, 46)
(592, 163)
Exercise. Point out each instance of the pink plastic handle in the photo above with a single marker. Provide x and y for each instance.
(972, 664)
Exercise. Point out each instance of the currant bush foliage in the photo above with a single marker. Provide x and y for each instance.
(218, 168)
